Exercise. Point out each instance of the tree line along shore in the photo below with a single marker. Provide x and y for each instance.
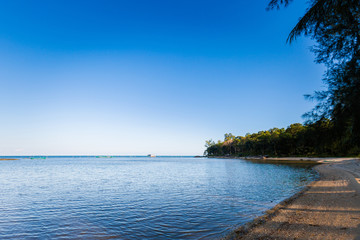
(319, 139)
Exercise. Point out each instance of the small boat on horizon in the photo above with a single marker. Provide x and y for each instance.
(151, 155)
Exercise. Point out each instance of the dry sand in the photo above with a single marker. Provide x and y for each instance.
(328, 209)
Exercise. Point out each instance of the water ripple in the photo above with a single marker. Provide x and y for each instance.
(137, 198)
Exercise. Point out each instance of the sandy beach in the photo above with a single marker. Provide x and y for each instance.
(327, 209)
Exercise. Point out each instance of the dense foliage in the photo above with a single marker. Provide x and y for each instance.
(315, 139)
(333, 126)
(338, 48)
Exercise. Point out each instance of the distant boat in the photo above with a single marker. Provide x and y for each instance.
(151, 155)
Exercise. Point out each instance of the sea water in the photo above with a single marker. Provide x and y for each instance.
(138, 197)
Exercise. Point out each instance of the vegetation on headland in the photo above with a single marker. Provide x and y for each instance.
(314, 139)
(333, 126)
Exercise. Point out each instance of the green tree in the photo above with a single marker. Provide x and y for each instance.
(209, 143)
(335, 26)
(228, 136)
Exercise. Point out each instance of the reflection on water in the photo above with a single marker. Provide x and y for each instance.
(138, 197)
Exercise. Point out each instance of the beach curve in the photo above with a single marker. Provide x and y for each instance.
(328, 208)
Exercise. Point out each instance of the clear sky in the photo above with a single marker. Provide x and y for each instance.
(138, 77)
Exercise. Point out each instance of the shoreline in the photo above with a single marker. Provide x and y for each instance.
(327, 208)
(287, 160)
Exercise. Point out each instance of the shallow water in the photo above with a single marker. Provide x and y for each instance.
(138, 197)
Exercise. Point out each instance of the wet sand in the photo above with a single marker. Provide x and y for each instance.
(327, 209)
(8, 159)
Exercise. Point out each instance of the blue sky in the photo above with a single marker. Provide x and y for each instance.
(139, 77)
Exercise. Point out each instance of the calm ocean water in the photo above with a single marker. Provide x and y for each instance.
(138, 197)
